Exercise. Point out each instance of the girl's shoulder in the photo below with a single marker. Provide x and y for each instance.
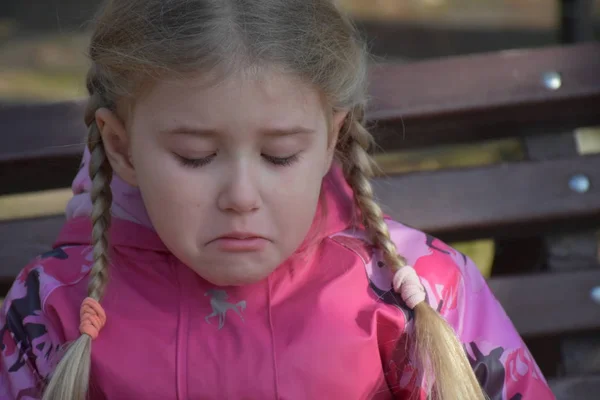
(62, 266)
(453, 283)
(441, 268)
(31, 331)
(456, 288)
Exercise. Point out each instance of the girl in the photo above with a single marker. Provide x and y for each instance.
(223, 241)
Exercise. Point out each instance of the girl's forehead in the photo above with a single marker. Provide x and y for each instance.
(269, 96)
(268, 83)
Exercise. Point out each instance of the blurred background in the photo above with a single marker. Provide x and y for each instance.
(43, 57)
(43, 43)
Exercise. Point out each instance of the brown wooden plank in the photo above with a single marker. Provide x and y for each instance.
(576, 387)
(515, 199)
(565, 252)
(508, 199)
(430, 102)
(581, 354)
(391, 38)
(38, 173)
(485, 96)
(546, 352)
(41, 130)
(40, 146)
(22, 240)
(540, 304)
(551, 303)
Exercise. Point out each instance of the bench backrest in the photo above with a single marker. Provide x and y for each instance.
(510, 94)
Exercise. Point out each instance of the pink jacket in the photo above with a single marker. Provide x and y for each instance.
(324, 325)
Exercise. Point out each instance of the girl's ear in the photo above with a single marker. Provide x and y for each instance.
(116, 144)
(337, 123)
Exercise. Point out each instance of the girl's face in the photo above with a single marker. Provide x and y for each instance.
(231, 173)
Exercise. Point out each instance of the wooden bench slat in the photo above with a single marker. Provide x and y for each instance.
(40, 146)
(462, 98)
(451, 100)
(22, 240)
(576, 387)
(485, 96)
(537, 304)
(30, 131)
(393, 38)
(500, 200)
(491, 79)
(38, 174)
(513, 199)
(550, 303)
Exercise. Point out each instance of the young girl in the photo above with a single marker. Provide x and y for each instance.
(223, 241)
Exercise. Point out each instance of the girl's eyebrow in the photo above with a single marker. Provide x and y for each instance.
(295, 130)
(208, 132)
(190, 131)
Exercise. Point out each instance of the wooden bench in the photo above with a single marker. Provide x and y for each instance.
(539, 210)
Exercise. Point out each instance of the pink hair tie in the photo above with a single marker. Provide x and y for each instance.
(92, 318)
(407, 283)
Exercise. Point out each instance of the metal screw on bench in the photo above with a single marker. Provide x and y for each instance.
(552, 80)
(595, 294)
(579, 183)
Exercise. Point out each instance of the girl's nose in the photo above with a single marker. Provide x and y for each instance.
(239, 192)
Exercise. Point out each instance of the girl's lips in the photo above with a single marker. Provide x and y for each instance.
(235, 245)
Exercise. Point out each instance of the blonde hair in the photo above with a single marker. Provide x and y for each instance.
(136, 42)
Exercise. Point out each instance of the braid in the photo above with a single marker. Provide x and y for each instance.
(101, 175)
(70, 380)
(359, 170)
(438, 350)
(101, 195)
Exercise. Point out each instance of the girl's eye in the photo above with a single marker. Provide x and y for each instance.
(200, 162)
(281, 161)
(195, 162)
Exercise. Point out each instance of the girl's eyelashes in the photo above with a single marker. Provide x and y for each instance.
(281, 161)
(195, 162)
(200, 162)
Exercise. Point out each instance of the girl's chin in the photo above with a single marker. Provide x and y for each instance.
(239, 276)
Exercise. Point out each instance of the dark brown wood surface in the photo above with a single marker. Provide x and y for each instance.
(539, 304)
(550, 303)
(513, 199)
(41, 130)
(449, 100)
(22, 240)
(39, 173)
(456, 99)
(393, 39)
(565, 251)
(510, 199)
(576, 387)
(485, 96)
(40, 145)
